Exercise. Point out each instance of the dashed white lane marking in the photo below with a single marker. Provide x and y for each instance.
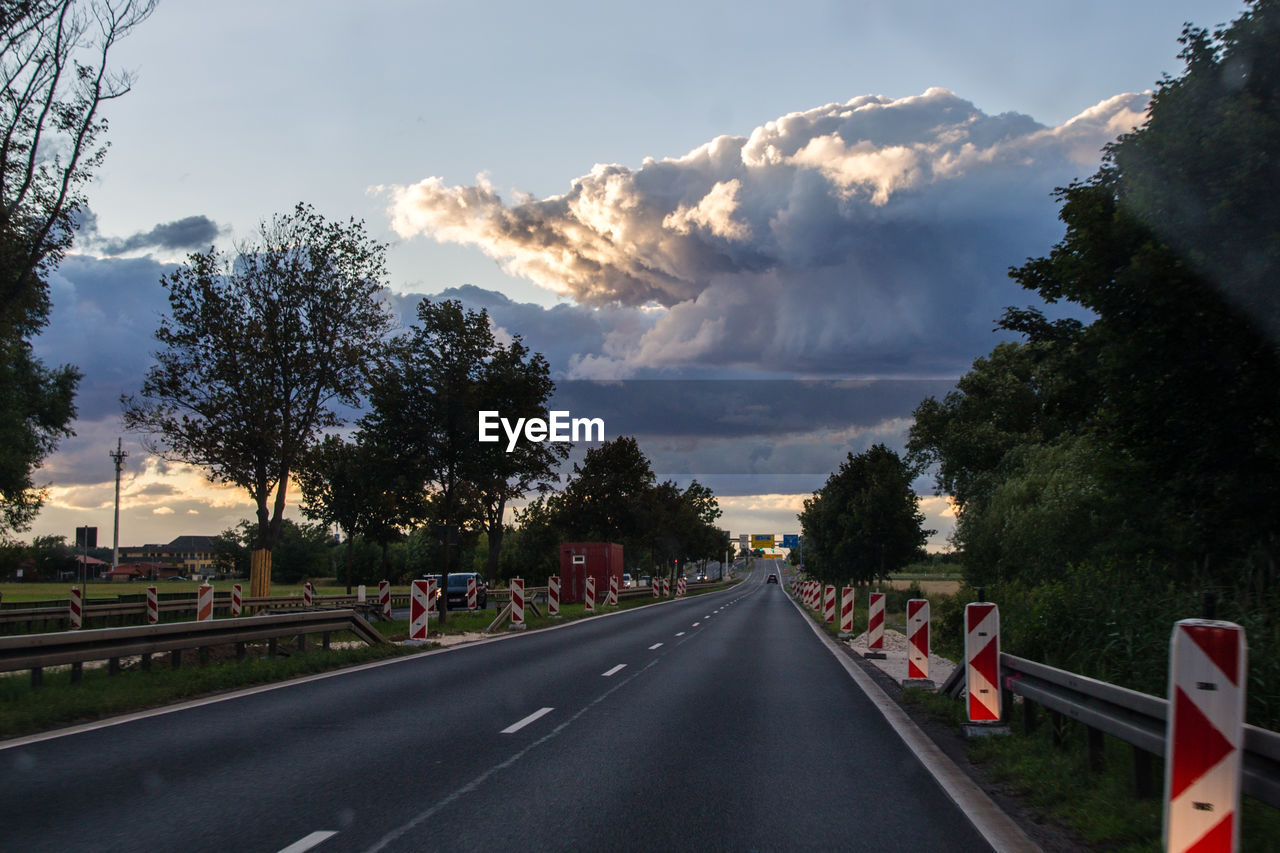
(309, 841)
(617, 669)
(517, 726)
(681, 634)
(654, 646)
(696, 624)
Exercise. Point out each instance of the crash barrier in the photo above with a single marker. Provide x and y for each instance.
(875, 622)
(1203, 736)
(589, 597)
(917, 638)
(204, 603)
(829, 603)
(553, 596)
(35, 652)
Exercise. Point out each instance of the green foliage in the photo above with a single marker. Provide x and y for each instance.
(308, 296)
(865, 522)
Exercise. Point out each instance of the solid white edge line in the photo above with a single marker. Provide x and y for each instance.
(309, 841)
(992, 823)
(520, 724)
(609, 673)
(81, 728)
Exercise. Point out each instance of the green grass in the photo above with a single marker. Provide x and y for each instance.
(1101, 808)
(60, 703)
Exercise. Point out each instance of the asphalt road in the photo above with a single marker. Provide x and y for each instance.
(718, 722)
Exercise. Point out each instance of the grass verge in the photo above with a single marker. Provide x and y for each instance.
(61, 703)
(1101, 807)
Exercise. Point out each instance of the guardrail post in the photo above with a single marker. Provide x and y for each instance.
(1095, 749)
(1142, 784)
(37, 677)
(1204, 736)
(77, 672)
(175, 659)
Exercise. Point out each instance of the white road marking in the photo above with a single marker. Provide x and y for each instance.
(696, 624)
(536, 715)
(309, 841)
(681, 634)
(610, 672)
(654, 646)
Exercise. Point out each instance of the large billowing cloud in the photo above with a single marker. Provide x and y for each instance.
(867, 238)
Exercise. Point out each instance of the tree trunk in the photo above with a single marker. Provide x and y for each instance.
(260, 573)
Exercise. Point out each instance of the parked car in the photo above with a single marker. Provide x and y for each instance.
(457, 592)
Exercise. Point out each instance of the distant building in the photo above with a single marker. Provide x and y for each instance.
(193, 554)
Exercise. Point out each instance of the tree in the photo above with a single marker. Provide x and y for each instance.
(54, 61)
(865, 522)
(607, 495)
(258, 349)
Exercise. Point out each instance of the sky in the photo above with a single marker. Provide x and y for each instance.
(769, 229)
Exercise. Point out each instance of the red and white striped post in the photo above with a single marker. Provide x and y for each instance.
(666, 587)
(76, 603)
(384, 598)
(308, 595)
(655, 584)
(817, 596)
(613, 591)
(553, 596)
(682, 587)
(153, 605)
(237, 600)
(982, 661)
(419, 607)
(918, 638)
(204, 603)
(829, 604)
(590, 599)
(472, 593)
(875, 622)
(1205, 736)
(846, 611)
(517, 603)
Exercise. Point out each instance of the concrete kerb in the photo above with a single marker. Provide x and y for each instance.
(1000, 830)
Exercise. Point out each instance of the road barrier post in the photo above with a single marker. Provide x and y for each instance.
(76, 605)
(666, 587)
(553, 596)
(153, 605)
(517, 603)
(875, 622)
(1204, 736)
(613, 591)
(829, 604)
(237, 600)
(360, 594)
(846, 612)
(817, 596)
(917, 638)
(419, 605)
(682, 587)
(384, 598)
(204, 603)
(982, 661)
(472, 593)
(308, 595)
(590, 599)
(433, 594)
(655, 585)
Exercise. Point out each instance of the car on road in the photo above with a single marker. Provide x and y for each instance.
(457, 593)
(627, 583)
(771, 579)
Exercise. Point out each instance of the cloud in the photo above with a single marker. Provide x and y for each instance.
(866, 237)
(191, 233)
(162, 510)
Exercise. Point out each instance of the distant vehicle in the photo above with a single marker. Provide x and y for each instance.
(626, 580)
(645, 580)
(771, 579)
(457, 593)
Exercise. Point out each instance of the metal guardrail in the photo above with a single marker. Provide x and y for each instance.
(37, 651)
(1136, 718)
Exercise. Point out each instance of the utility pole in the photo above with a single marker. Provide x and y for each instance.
(119, 456)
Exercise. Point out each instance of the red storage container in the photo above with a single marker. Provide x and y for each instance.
(580, 560)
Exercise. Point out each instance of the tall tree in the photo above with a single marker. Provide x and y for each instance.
(55, 79)
(258, 350)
